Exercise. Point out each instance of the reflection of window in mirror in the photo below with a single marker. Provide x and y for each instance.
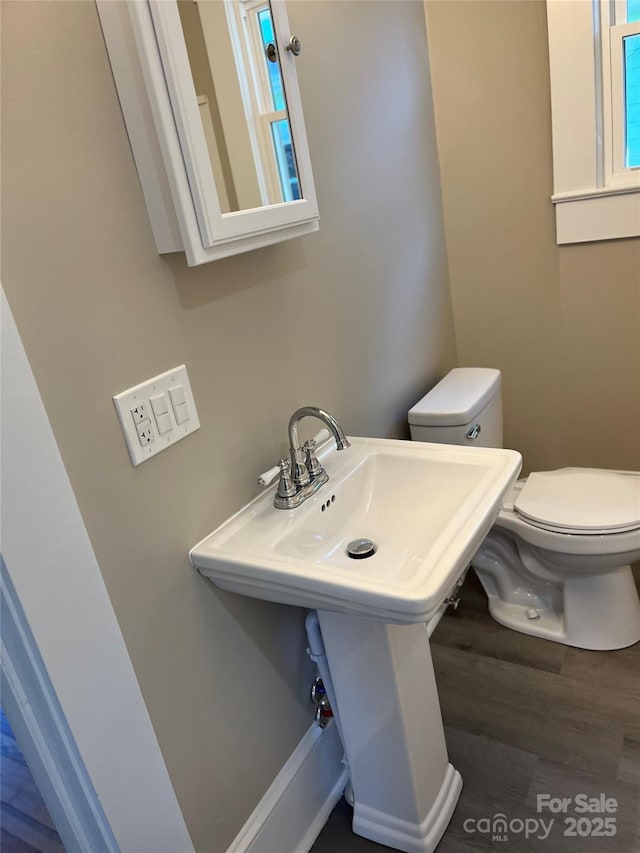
(632, 89)
(632, 100)
(275, 115)
(208, 104)
(241, 100)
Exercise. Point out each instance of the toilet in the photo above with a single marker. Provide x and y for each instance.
(556, 563)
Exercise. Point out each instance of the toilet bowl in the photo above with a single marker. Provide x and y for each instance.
(556, 563)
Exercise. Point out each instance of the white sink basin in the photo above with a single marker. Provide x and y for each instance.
(426, 507)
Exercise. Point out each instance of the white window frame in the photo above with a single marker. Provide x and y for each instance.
(595, 196)
(256, 92)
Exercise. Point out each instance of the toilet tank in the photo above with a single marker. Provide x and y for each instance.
(463, 408)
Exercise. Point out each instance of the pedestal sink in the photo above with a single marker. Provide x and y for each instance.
(426, 508)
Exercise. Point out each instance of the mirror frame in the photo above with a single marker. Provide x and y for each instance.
(151, 70)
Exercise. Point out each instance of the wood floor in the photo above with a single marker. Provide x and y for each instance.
(523, 717)
(25, 824)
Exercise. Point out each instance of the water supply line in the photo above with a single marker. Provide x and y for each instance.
(318, 655)
(316, 652)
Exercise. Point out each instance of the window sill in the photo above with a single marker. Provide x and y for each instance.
(599, 214)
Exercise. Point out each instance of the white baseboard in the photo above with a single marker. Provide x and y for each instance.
(291, 814)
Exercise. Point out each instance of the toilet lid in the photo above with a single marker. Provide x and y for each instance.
(581, 501)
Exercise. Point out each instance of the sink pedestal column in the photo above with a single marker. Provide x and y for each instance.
(387, 701)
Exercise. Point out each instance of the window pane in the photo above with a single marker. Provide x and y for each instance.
(273, 68)
(633, 10)
(632, 99)
(286, 160)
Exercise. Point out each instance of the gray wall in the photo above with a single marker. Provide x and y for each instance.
(99, 311)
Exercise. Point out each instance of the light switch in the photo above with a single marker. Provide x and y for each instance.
(177, 395)
(157, 413)
(159, 405)
(181, 412)
(164, 423)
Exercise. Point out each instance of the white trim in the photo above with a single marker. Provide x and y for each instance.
(573, 102)
(619, 11)
(596, 195)
(599, 94)
(296, 806)
(608, 217)
(34, 713)
(67, 608)
(621, 175)
(596, 192)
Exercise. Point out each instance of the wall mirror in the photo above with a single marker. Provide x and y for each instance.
(210, 96)
(242, 102)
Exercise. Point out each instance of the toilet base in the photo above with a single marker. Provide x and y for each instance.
(596, 612)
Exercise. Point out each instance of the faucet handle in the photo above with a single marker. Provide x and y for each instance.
(267, 477)
(314, 468)
(286, 486)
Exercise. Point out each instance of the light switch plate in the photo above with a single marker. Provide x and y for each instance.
(134, 402)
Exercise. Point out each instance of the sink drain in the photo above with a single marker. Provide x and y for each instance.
(360, 549)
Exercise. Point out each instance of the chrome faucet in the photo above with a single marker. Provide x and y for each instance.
(302, 475)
